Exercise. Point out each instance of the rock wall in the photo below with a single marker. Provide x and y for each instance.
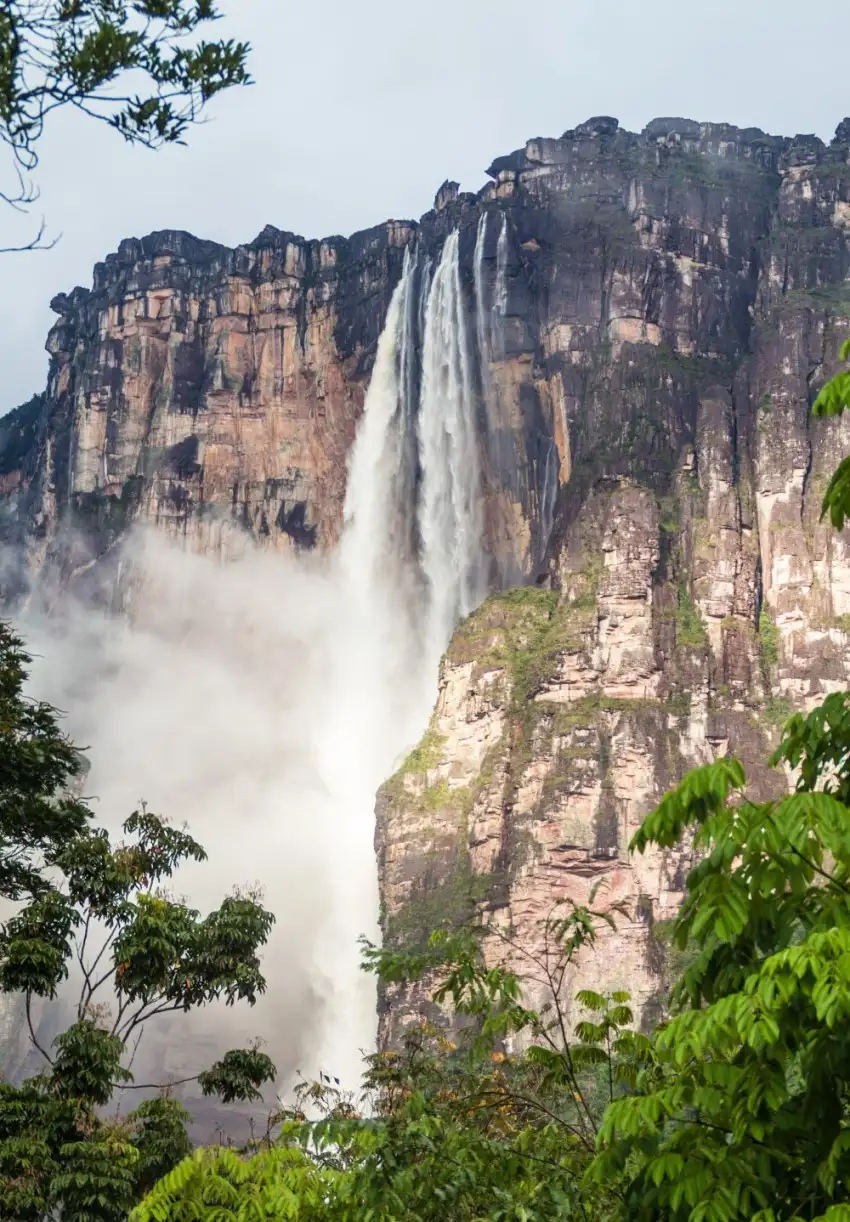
(204, 390)
(213, 391)
(693, 597)
(652, 315)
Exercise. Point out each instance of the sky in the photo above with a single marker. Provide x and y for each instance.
(360, 111)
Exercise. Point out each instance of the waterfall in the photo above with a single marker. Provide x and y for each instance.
(380, 488)
(500, 303)
(420, 419)
(547, 497)
(450, 511)
(411, 564)
(482, 328)
(277, 693)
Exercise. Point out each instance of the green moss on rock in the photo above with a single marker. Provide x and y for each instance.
(690, 630)
(769, 643)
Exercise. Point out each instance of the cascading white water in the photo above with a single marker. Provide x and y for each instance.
(379, 492)
(500, 302)
(547, 497)
(380, 676)
(276, 696)
(482, 329)
(450, 509)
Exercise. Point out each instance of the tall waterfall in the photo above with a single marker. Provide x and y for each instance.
(276, 695)
(450, 510)
(411, 564)
(414, 473)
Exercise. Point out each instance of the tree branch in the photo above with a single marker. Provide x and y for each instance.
(33, 1037)
(153, 1085)
(35, 243)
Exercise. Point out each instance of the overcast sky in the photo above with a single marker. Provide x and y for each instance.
(361, 110)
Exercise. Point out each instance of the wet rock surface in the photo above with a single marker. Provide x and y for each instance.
(654, 313)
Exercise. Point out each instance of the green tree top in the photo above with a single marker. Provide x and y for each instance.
(39, 766)
(137, 65)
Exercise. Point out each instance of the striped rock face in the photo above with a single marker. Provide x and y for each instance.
(595, 379)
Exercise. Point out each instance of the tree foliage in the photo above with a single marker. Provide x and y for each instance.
(742, 1108)
(494, 1119)
(103, 911)
(39, 768)
(831, 401)
(140, 66)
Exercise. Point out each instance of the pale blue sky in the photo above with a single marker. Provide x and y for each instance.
(361, 110)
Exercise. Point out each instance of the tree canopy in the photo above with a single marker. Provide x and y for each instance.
(99, 915)
(39, 768)
(140, 66)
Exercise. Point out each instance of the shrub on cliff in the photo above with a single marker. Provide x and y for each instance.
(101, 911)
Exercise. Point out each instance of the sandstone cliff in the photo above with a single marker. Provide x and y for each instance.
(693, 597)
(653, 314)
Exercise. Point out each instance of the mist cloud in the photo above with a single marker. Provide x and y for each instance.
(262, 703)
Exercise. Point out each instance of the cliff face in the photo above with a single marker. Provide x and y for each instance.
(204, 390)
(649, 319)
(693, 596)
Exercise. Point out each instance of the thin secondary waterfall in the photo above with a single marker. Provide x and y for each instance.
(450, 511)
(500, 303)
(547, 497)
(482, 328)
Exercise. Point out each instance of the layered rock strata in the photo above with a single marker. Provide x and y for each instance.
(693, 596)
(650, 318)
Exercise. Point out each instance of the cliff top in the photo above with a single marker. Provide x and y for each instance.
(598, 136)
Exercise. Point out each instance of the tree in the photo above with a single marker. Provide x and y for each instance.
(831, 401)
(279, 1183)
(742, 1109)
(39, 767)
(451, 1124)
(94, 55)
(138, 952)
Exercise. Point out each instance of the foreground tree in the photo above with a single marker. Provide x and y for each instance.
(498, 1122)
(39, 769)
(742, 1110)
(102, 911)
(94, 55)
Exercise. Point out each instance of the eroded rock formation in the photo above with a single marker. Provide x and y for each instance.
(693, 596)
(652, 317)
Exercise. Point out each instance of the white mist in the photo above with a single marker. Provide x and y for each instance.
(263, 700)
